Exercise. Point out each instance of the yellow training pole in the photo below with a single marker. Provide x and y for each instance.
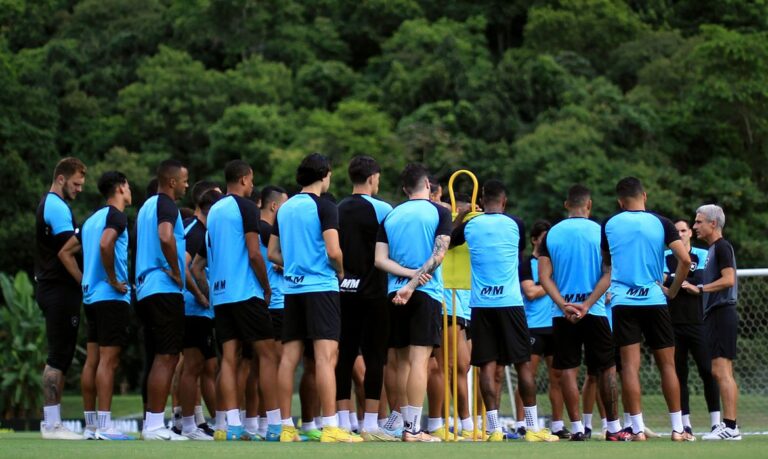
(482, 418)
(455, 375)
(445, 369)
(475, 383)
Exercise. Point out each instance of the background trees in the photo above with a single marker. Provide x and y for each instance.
(541, 93)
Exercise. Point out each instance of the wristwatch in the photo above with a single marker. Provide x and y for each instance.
(701, 289)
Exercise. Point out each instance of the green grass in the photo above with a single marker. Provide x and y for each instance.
(29, 445)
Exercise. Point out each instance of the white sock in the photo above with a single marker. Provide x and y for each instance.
(52, 415)
(393, 421)
(627, 420)
(233, 418)
(492, 418)
(604, 423)
(382, 423)
(188, 424)
(287, 422)
(369, 422)
(105, 420)
(577, 426)
(242, 416)
(354, 422)
(637, 423)
(199, 416)
(557, 426)
(263, 425)
(406, 413)
(467, 424)
(687, 420)
(307, 426)
(531, 418)
(332, 421)
(343, 420)
(612, 426)
(91, 419)
(319, 422)
(587, 418)
(519, 424)
(434, 424)
(221, 420)
(416, 418)
(154, 421)
(177, 417)
(676, 419)
(251, 424)
(273, 417)
(714, 418)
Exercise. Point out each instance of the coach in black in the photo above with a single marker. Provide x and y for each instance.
(719, 292)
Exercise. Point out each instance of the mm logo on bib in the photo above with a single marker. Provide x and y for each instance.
(492, 290)
(295, 279)
(637, 291)
(350, 285)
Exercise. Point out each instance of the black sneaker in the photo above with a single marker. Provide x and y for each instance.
(206, 428)
(521, 431)
(587, 433)
(176, 430)
(563, 434)
(688, 430)
(578, 436)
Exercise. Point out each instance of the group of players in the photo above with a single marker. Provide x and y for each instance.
(302, 279)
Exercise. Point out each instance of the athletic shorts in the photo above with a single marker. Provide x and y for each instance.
(591, 333)
(277, 316)
(107, 323)
(60, 304)
(416, 323)
(198, 334)
(459, 320)
(246, 321)
(501, 336)
(720, 331)
(542, 342)
(164, 315)
(312, 316)
(632, 323)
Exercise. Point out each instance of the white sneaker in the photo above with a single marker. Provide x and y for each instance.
(112, 434)
(650, 433)
(198, 434)
(89, 434)
(58, 432)
(162, 434)
(721, 432)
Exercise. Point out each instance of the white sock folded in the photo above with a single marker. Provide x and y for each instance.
(676, 419)
(370, 422)
(587, 418)
(233, 418)
(637, 423)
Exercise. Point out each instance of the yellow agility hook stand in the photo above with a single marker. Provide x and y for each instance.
(456, 276)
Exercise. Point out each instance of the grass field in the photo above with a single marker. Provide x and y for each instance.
(28, 445)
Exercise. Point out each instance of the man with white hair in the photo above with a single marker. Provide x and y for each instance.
(719, 292)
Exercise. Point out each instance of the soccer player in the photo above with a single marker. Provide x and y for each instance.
(633, 245)
(199, 352)
(106, 297)
(499, 329)
(410, 247)
(160, 249)
(271, 198)
(572, 272)
(240, 293)
(364, 306)
(719, 293)
(688, 324)
(538, 314)
(305, 242)
(58, 294)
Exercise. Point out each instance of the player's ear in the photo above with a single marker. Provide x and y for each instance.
(565, 204)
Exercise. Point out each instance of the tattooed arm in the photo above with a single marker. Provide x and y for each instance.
(438, 253)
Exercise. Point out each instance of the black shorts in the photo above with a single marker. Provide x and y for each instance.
(60, 304)
(277, 316)
(107, 323)
(593, 334)
(632, 323)
(246, 321)
(721, 328)
(198, 334)
(416, 323)
(164, 315)
(459, 320)
(542, 342)
(501, 335)
(312, 316)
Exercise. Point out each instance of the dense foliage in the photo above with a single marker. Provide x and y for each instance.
(541, 93)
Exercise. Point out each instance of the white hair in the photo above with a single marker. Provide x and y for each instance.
(713, 213)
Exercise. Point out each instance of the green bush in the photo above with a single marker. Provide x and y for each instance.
(22, 344)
